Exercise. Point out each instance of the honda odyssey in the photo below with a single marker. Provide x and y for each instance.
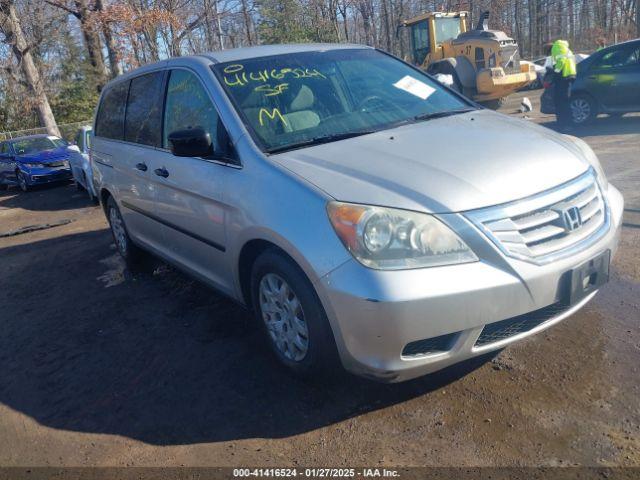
(368, 215)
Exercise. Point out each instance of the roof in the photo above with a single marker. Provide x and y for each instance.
(244, 53)
(423, 16)
(25, 137)
(237, 54)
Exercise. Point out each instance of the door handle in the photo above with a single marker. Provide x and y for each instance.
(161, 172)
(141, 166)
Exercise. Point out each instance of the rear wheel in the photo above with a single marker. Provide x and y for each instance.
(131, 253)
(291, 316)
(583, 110)
(22, 181)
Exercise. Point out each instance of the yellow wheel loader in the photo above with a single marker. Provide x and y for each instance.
(485, 64)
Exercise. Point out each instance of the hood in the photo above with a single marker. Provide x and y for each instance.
(450, 164)
(45, 156)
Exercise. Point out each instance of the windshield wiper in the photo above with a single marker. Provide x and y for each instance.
(322, 139)
(444, 113)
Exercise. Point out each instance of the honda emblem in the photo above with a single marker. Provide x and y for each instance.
(572, 219)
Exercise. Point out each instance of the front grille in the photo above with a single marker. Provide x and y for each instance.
(511, 59)
(497, 331)
(54, 164)
(543, 227)
(429, 346)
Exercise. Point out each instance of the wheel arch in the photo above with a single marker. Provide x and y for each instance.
(250, 252)
(104, 197)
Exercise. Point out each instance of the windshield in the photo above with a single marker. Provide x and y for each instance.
(294, 99)
(33, 145)
(447, 28)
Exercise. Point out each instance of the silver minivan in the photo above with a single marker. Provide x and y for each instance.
(369, 216)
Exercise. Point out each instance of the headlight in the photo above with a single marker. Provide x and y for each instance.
(592, 158)
(32, 165)
(65, 164)
(392, 239)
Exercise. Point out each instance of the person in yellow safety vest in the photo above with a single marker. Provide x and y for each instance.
(564, 67)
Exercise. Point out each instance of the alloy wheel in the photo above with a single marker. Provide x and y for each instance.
(581, 110)
(22, 182)
(284, 318)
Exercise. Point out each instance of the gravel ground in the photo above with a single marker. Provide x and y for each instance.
(101, 366)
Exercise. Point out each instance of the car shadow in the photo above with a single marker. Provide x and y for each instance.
(46, 198)
(90, 346)
(602, 126)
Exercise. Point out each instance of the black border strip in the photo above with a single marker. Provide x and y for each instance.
(195, 236)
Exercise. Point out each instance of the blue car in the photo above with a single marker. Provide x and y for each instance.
(33, 160)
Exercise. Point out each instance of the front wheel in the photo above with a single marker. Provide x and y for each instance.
(22, 181)
(291, 315)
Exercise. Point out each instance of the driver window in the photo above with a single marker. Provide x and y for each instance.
(188, 106)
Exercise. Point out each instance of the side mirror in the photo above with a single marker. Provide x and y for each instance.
(194, 142)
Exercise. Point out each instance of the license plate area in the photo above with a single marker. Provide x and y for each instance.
(588, 277)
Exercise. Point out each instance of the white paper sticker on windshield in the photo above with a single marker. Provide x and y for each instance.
(414, 87)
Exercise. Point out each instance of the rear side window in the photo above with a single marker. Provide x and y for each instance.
(143, 122)
(621, 57)
(110, 121)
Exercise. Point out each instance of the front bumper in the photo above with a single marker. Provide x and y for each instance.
(375, 314)
(41, 175)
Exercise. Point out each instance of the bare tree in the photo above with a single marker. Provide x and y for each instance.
(11, 28)
(83, 10)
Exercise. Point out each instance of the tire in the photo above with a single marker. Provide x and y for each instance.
(22, 181)
(131, 253)
(495, 104)
(583, 110)
(303, 342)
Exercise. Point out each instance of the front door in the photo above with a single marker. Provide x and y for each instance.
(614, 79)
(190, 193)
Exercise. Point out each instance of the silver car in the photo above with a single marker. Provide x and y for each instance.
(369, 216)
(80, 163)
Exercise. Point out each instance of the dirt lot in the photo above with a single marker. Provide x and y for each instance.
(101, 366)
